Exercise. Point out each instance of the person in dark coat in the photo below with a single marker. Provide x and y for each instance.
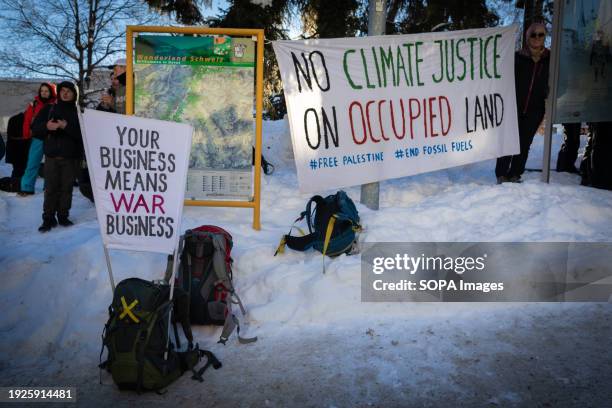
(108, 97)
(531, 85)
(16, 146)
(596, 165)
(2, 147)
(113, 99)
(58, 126)
(569, 149)
(600, 54)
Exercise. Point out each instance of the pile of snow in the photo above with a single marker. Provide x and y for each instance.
(55, 290)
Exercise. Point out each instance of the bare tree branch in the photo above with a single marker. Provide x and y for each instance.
(65, 38)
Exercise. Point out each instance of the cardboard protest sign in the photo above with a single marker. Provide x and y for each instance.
(138, 170)
(373, 108)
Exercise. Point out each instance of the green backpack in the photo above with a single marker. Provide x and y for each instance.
(140, 354)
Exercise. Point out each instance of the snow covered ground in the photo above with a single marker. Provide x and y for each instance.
(319, 345)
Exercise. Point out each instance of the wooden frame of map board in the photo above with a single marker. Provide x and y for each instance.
(257, 34)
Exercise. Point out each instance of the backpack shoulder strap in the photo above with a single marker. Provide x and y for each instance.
(211, 359)
(268, 168)
(310, 213)
(232, 322)
(300, 243)
(328, 234)
(142, 341)
(304, 242)
(221, 264)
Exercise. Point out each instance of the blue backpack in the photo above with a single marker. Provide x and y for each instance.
(333, 224)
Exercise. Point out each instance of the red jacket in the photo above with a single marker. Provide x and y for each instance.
(33, 109)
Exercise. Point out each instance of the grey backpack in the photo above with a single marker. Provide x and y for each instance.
(205, 273)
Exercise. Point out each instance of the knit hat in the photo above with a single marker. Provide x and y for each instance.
(69, 85)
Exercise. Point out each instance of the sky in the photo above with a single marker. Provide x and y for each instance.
(217, 5)
(507, 11)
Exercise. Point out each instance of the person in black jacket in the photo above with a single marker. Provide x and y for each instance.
(16, 146)
(531, 85)
(108, 97)
(58, 126)
(596, 165)
(2, 147)
(569, 149)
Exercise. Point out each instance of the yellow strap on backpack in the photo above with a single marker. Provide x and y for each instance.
(328, 234)
(281, 246)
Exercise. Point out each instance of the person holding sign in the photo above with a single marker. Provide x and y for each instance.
(531, 84)
(58, 126)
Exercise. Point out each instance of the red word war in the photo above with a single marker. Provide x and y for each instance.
(149, 207)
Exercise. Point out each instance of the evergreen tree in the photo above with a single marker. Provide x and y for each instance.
(319, 20)
(330, 19)
(184, 11)
(246, 14)
(418, 16)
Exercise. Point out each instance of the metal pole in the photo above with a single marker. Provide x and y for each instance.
(377, 21)
(110, 268)
(93, 183)
(172, 279)
(553, 78)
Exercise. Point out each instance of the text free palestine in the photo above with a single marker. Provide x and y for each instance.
(429, 150)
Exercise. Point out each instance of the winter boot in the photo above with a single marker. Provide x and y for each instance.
(502, 179)
(65, 222)
(48, 223)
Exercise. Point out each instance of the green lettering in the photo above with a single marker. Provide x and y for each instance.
(418, 62)
(386, 61)
(400, 66)
(365, 69)
(376, 66)
(496, 56)
(461, 77)
(436, 80)
(450, 77)
(485, 57)
(472, 40)
(481, 56)
(409, 60)
(346, 72)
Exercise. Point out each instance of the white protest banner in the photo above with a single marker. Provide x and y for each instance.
(138, 170)
(373, 108)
